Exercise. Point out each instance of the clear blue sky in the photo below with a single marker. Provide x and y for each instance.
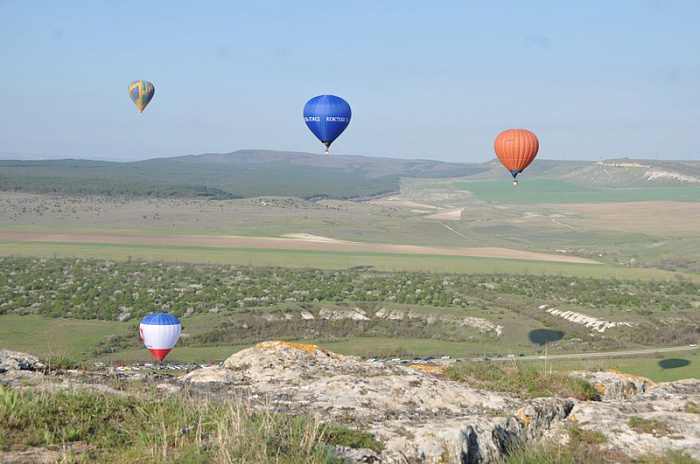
(425, 79)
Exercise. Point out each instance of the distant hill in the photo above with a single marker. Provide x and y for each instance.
(242, 174)
(252, 173)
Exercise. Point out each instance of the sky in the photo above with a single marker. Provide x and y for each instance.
(436, 79)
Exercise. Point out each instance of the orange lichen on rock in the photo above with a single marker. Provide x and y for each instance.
(424, 368)
(638, 378)
(311, 349)
(522, 415)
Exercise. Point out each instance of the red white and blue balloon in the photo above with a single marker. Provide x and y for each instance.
(159, 333)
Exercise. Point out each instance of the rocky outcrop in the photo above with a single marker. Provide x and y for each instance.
(417, 414)
(614, 385)
(420, 417)
(16, 360)
(667, 414)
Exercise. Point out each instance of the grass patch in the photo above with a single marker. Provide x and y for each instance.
(144, 424)
(335, 434)
(692, 407)
(579, 436)
(521, 380)
(651, 426)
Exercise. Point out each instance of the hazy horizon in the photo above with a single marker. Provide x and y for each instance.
(18, 156)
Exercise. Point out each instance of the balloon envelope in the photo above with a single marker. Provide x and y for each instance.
(141, 92)
(516, 148)
(327, 116)
(159, 333)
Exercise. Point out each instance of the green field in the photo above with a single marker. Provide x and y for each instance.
(49, 337)
(557, 191)
(666, 367)
(331, 260)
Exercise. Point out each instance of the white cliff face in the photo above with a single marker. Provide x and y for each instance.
(355, 314)
(480, 324)
(422, 418)
(594, 323)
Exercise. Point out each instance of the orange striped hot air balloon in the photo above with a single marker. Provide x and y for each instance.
(516, 148)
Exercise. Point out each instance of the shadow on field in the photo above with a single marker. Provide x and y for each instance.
(673, 363)
(544, 336)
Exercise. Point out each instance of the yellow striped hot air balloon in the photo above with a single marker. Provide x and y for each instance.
(141, 92)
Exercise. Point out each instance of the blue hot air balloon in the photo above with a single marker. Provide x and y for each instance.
(327, 116)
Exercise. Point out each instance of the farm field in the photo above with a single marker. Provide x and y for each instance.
(431, 227)
(343, 234)
(551, 191)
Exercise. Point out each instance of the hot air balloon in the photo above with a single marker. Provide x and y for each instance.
(516, 148)
(327, 116)
(159, 333)
(141, 92)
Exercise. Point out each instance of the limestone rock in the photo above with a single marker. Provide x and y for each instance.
(420, 417)
(614, 385)
(16, 360)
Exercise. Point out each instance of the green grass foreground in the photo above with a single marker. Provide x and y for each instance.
(143, 425)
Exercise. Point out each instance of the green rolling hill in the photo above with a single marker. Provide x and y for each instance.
(253, 173)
